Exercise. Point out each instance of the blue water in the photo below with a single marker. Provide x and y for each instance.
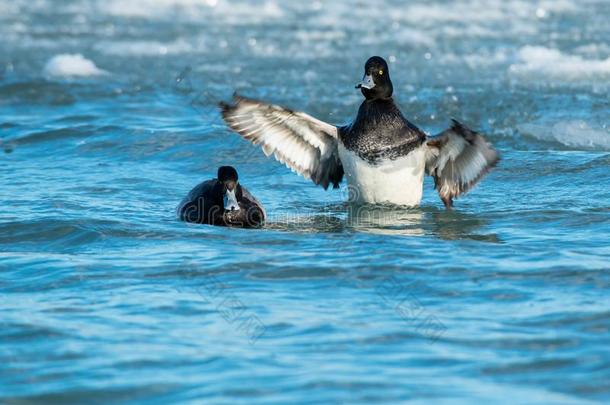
(106, 297)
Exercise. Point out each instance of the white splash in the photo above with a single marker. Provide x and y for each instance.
(71, 65)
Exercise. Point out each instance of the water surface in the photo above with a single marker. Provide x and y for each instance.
(106, 297)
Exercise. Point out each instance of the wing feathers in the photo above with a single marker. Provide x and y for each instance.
(457, 159)
(301, 142)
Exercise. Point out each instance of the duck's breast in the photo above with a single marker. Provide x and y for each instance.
(397, 181)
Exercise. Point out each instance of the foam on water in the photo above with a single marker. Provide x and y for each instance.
(189, 10)
(598, 50)
(144, 48)
(153, 8)
(573, 134)
(71, 65)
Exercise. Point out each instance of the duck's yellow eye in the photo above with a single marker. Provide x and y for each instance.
(381, 73)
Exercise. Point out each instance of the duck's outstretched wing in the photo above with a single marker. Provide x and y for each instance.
(305, 144)
(457, 159)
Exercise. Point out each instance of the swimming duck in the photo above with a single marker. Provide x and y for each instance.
(222, 201)
(382, 154)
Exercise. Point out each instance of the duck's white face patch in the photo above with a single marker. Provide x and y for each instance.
(230, 201)
(367, 82)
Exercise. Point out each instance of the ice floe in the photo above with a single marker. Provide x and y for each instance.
(546, 63)
(71, 65)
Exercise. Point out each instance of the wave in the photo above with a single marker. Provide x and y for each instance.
(575, 134)
(71, 65)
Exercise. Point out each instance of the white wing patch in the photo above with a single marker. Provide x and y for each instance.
(301, 142)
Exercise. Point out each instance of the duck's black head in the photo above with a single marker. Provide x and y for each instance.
(376, 83)
(231, 190)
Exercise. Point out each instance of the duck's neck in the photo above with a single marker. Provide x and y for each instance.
(376, 111)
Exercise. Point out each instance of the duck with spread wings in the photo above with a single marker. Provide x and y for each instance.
(382, 155)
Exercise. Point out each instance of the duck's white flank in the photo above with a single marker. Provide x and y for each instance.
(398, 181)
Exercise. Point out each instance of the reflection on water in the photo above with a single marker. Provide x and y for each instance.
(459, 225)
(386, 219)
(313, 218)
(390, 220)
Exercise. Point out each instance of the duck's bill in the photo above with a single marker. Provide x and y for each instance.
(367, 82)
(230, 201)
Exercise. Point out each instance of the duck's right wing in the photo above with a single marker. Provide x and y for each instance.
(303, 143)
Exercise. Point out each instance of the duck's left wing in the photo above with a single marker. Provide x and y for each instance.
(457, 159)
(300, 141)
